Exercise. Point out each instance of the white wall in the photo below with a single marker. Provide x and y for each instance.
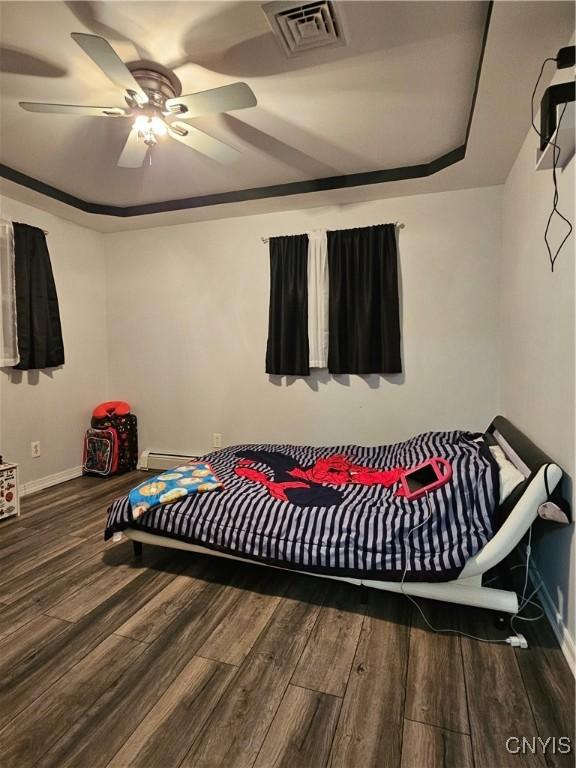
(54, 406)
(174, 320)
(187, 320)
(537, 365)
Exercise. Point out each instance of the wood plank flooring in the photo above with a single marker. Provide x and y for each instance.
(184, 661)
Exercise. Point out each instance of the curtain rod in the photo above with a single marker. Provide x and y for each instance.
(267, 239)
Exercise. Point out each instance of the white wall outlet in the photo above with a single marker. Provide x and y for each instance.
(35, 449)
(217, 440)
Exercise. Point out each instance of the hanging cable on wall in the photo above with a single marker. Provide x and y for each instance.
(556, 150)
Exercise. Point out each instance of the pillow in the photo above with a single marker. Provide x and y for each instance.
(510, 477)
(111, 408)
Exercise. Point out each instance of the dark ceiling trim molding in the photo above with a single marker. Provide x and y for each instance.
(45, 189)
(240, 195)
(259, 193)
(479, 70)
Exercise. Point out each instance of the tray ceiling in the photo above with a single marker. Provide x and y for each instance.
(398, 94)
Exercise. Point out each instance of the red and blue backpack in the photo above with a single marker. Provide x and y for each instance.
(111, 445)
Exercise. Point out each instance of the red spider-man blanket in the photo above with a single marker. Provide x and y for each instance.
(306, 486)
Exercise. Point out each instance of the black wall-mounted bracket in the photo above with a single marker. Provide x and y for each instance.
(563, 93)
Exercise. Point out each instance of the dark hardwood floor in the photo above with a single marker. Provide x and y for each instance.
(184, 660)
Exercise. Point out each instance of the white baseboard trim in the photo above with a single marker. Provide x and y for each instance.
(162, 460)
(45, 482)
(565, 640)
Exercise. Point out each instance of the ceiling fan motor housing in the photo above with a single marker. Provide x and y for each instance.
(158, 83)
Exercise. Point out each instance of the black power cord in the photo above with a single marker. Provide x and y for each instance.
(555, 157)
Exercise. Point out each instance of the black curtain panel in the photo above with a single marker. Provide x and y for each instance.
(364, 314)
(40, 342)
(287, 348)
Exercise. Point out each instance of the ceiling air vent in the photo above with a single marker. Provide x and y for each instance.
(305, 27)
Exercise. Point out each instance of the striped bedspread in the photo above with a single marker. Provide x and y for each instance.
(364, 535)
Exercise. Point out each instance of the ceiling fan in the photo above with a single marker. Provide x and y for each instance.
(153, 96)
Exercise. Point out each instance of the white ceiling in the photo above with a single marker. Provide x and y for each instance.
(407, 73)
(398, 94)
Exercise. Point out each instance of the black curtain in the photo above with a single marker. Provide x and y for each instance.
(363, 315)
(287, 348)
(37, 314)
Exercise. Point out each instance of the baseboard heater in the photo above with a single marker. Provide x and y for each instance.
(158, 460)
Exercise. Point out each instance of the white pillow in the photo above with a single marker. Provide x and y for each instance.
(510, 477)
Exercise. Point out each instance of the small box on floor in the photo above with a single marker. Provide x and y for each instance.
(9, 501)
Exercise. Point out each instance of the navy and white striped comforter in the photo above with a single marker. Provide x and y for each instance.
(363, 536)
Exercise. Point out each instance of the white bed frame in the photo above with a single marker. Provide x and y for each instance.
(467, 589)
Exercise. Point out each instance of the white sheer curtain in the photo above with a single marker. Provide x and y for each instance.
(8, 335)
(318, 299)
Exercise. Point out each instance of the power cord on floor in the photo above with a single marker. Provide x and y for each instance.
(516, 640)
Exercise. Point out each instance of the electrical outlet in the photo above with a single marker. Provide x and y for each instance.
(35, 449)
(217, 440)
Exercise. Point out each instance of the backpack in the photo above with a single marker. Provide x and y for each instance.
(100, 452)
(116, 415)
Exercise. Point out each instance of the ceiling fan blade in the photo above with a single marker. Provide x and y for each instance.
(224, 99)
(201, 142)
(134, 152)
(73, 109)
(104, 56)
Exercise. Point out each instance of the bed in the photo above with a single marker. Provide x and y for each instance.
(289, 507)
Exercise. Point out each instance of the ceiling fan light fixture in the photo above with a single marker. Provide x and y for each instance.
(150, 128)
(158, 126)
(151, 90)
